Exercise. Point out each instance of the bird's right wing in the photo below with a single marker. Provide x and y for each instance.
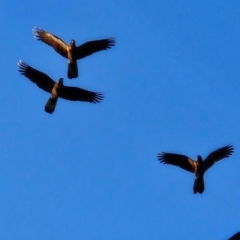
(179, 160)
(57, 43)
(41, 79)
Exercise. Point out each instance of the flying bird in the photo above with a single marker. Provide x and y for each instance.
(57, 89)
(198, 167)
(72, 52)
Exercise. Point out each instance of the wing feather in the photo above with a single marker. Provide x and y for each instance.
(179, 160)
(217, 155)
(79, 94)
(57, 43)
(41, 79)
(91, 47)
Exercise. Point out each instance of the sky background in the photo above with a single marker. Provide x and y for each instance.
(90, 171)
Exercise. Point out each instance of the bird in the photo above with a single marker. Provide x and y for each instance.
(198, 167)
(57, 89)
(71, 51)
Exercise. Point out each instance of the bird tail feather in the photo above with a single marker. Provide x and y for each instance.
(51, 104)
(72, 70)
(198, 185)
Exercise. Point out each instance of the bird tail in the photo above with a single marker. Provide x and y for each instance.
(51, 104)
(198, 185)
(72, 69)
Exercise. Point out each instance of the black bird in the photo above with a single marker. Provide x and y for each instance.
(57, 89)
(71, 52)
(198, 167)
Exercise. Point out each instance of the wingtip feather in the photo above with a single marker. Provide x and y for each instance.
(111, 42)
(37, 33)
(230, 149)
(22, 66)
(98, 98)
(161, 157)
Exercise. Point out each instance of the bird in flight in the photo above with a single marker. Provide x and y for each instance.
(198, 167)
(72, 52)
(57, 89)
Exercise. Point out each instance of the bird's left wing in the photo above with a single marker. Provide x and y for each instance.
(91, 47)
(217, 155)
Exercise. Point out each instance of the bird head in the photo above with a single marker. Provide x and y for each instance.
(60, 81)
(199, 159)
(72, 43)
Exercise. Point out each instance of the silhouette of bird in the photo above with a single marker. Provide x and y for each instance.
(72, 52)
(57, 89)
(198, 167)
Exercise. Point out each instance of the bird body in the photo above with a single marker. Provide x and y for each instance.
(198, 167)
(57, 89)
(199, 174)
(71, 51)
(72, 61)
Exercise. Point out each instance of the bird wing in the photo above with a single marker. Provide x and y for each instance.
(79, 94)
(91, 47)
(178, 160)
(57, 43)
(217, 155)
(42, 80)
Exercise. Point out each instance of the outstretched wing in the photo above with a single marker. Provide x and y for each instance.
(41, 79)
(79, 94)
(217, 155)
(57, 43)
(178, 160)
(91, 47)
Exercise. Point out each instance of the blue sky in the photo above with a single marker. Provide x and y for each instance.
(90, 171)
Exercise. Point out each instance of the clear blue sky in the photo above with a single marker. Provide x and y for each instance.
(90, 171)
